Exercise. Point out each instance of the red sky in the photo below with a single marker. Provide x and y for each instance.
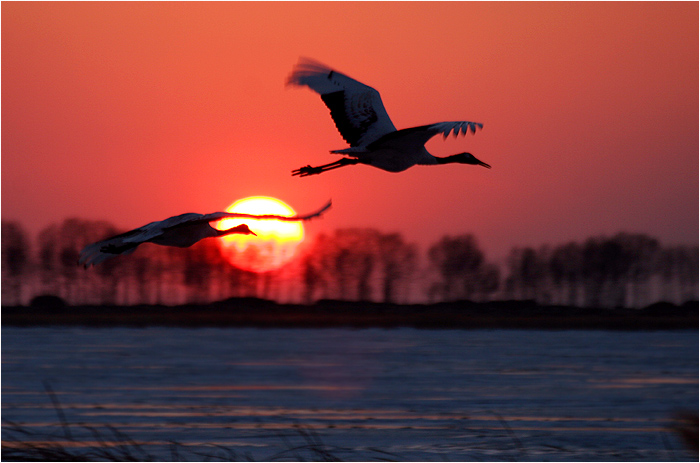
(133, 112)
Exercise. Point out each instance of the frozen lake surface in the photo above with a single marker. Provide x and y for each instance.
(399, 394)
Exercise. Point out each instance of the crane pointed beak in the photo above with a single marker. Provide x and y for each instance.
(471, 159)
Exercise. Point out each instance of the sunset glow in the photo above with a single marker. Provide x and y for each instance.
(276, 241)
(590, 113)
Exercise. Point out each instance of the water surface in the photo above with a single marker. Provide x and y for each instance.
(401, 394)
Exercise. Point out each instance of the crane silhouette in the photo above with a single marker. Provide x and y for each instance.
(360, 117)
(180, 231)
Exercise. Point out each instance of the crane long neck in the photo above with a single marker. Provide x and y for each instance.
(447, 159)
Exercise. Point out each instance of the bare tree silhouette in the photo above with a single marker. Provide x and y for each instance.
(527, 274)
(642, 252)
(312, 279)
(354, 261)
(15, 260)
(48, 261)
(462, 267)
(398, 260)
(677, 268)
(566, 269)
(357, 264)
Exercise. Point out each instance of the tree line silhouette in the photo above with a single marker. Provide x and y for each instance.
(356, 264)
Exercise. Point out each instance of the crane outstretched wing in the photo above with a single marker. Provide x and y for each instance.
(416, 136)
(227, 215)
(356, 108)
(124, 243)
(127, 242)
(93, 254)
(197, 219)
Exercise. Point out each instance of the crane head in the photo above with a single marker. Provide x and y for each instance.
(244, 230)
(468, 158)
(241, 229)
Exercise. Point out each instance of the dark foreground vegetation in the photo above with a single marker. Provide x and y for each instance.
(72, 442)
(253, 312)
(85, 443)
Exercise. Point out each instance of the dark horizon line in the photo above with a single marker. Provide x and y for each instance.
(329, 313)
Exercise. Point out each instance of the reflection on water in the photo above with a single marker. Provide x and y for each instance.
(418, 394)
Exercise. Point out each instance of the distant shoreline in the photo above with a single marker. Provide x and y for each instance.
(252, 312)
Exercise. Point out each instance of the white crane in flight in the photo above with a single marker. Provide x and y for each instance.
(180, 231)
(359, 115)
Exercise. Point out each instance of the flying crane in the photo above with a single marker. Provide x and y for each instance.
(360, 117)
(180, 231)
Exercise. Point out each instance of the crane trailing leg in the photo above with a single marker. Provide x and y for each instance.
(308, 170)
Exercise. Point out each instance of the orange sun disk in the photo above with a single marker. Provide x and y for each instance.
(276, 241)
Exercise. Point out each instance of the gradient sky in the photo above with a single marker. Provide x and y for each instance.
(133, 112)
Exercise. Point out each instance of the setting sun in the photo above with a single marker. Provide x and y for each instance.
(276, 241)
